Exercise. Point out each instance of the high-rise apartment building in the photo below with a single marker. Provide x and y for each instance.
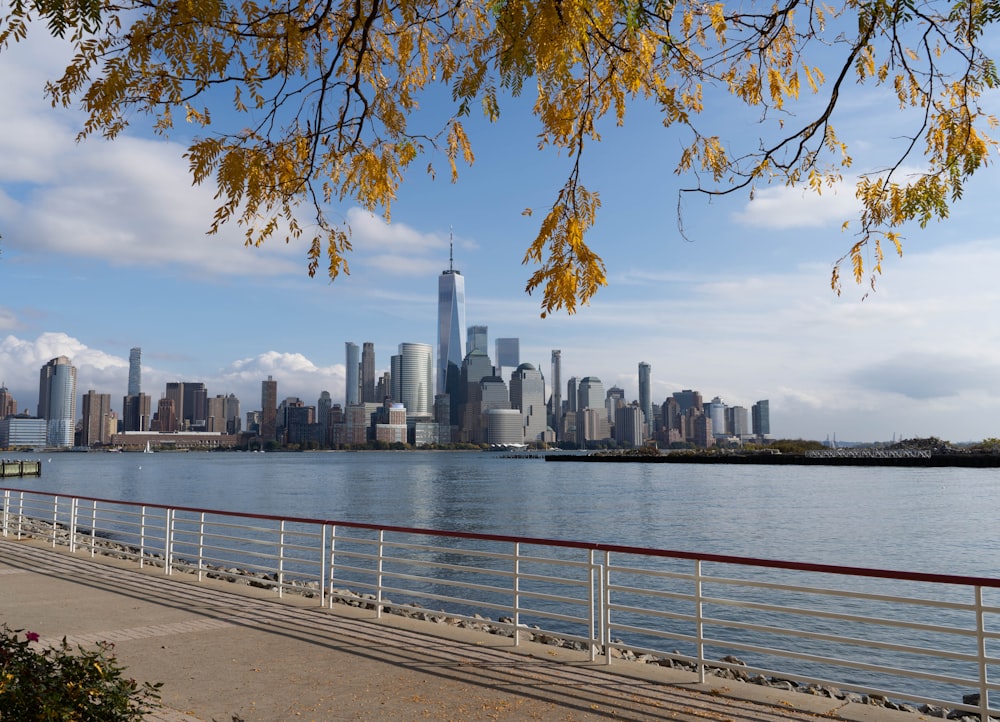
(96, 412)
(368, 394)
(628, 425)
(352, 373)
(451, 324)
(412, 377)
(8, 405)
(135, 371)
(57, 401)
(136, 412)
(645, 395)
(268, 409)
(556, 420)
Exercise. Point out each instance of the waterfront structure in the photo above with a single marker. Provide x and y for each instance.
(57, 401)
(527, 394)
(645, 396)
(413, 378)
(760, 414)
(451, 324)
(508, 353)
(368, 373)
(352, 373)
(556, 403)
(95, 429)
(477, 338)
(503, 427)
(269, 409)
(22, 431)
(136, 440)
(135, 371)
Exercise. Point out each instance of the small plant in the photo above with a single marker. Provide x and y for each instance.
(58, 683)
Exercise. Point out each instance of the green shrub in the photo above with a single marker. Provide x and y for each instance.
(42, 684)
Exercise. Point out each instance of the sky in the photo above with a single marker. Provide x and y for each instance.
(104, 248)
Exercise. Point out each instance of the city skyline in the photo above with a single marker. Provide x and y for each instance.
(104, 249)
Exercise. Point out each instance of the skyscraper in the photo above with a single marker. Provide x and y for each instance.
(412, 378)
(645, 398)
(57, 401)
(352, 371)
(508, 353)
(368, 373)
(760, 414)
(590, 394)
(451, 324)
(268, 410)
(135, 371)
(557, 393)
(477, 338)
(527, 393)
(96, 410)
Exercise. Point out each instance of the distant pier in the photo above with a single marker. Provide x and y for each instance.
(19, 467)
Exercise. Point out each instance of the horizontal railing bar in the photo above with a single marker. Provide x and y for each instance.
(676, 636)
(821, 614)
(563, 581)
(404, 562)
(655, 593)
(552, 597)
(437, 597)
(657, 613)
(448, 583)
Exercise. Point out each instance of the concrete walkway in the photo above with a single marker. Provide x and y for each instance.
(229, 653)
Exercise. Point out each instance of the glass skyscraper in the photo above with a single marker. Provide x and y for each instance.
(451, 326)
(352, 371)
(57, 401)
(413, 378)
(135, 371)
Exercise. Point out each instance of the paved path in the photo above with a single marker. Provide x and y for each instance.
(230, 653)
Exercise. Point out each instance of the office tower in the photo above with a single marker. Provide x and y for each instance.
(215, 421)
(508, 353)
(761, 418)
(323, 406)
(451, 323)
(368, 373)
(269, 409)
(628, 425)
(352, 373)
(590, 394)
(136, 412)
(96, 410)
(175, 392)
(716, 410)
(557, 393)
(688, 399)
(383, 388)
(195, 406)
(231, 410)
(527, 394)
(736, 422)
(166, 416)
(477, 338)
(8, 405)
(645, 397)
(134, 371)
(572, 397)
(503, 427)
(57, 401)
(412, 377)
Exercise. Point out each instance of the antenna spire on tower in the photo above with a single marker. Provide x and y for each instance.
(451, 248)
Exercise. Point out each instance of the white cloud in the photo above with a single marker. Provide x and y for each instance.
(785, 207)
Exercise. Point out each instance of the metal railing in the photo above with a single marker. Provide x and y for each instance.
(924, 638)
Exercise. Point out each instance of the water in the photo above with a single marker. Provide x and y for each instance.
(926, 520)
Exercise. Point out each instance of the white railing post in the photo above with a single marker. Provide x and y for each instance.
(333, 561)
(378, 576)
(322, 566)
(281, 559)
(699, 622)
(593, 597)
(606, 607)
(201, 545)
(6, 511)
(20, 513)
(516, 611)
(168, 541)
(984, 690)
(55, 519)
(142, 536)
(93, 529)
(73, 503)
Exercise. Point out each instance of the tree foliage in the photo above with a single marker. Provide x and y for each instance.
(326, 94)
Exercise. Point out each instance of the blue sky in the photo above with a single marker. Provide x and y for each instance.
(104, 248)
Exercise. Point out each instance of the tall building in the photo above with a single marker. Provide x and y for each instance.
(477, 338)
(590, 394)
(572, 398)
(368, 373)
(352, 373)
(628, 425)
(451, 324)
(716, 410)
(527, 394)
(645, 396)
(135, 371)
(412, 377)
(8, 405)
(323, 406)
(96, 412)
(269, 409)
(508, 353)
(136, 412)
(175, 392)
(57, 401)
(760, 414)
(557, 393)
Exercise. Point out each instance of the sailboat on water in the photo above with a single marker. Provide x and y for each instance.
(147, 450)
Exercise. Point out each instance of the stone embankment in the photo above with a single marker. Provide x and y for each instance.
(729, 668)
